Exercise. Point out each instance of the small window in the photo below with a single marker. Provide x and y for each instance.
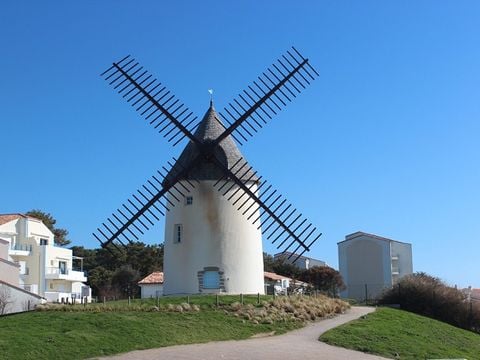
(177, 233)
(51, 286)
(43, 241)
(188, 200)
(62, 267)
(211, 280)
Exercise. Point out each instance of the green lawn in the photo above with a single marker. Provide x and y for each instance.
(402, 335)
(83, 334)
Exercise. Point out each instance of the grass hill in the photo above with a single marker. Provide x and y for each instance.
(398, 334)
(78, 332)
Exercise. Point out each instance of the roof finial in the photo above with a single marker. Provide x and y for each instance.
(210, 91)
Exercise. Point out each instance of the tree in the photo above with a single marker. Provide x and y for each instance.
(323, 278)
(88, 256)
(125, 279)
(100, 279)
(60, 235)
(280, 266)
(4, 298)
(268, 262)
(102, 265)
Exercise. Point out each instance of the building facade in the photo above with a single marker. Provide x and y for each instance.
(9, 270)
(44, 269)
(369, 264)
(303, 262)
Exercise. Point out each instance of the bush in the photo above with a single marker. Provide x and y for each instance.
(427, 295)
(292, 308)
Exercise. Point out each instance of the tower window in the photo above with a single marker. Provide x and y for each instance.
(188, 200)
(177, 233)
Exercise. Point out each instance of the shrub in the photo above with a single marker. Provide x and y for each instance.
(296, 308)
(427, 295)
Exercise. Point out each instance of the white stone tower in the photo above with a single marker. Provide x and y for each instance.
(210, 246)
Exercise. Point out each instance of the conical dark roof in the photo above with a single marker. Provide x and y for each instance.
(209, 129)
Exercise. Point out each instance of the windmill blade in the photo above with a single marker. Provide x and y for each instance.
(152, 100)
(134, 217)
(282, 224)
(272, 90)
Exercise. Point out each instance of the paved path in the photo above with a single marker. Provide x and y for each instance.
(298, 344)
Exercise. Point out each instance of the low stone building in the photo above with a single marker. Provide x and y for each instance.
(152, 285)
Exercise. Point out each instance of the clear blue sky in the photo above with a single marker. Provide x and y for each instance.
(385, 141)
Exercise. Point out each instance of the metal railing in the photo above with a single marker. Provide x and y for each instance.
(66, 271)
(22, 247)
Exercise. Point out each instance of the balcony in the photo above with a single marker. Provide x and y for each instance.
(20, 249)
(54, 273)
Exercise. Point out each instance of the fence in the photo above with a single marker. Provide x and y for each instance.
(206, 299)
(364, 293)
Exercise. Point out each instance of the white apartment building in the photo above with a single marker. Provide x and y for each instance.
(369, 264)
(45, 269)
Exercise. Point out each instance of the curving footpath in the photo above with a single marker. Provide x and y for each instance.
(298, 344)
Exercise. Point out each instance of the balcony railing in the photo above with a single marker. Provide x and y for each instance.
(21, 247)
(68, 274)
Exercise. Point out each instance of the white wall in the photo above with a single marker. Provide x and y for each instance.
(215, 234)
(18, 300)
(151, 290)
(365, 261)
(9, 271)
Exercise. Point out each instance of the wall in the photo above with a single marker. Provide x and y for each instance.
(9, 271)
(215, 234)
(18, 299)
(151, 290)
(364, 261)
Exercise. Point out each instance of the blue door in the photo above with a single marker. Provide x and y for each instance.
(211, 280)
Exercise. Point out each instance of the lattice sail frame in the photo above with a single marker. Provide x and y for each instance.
(270, 93)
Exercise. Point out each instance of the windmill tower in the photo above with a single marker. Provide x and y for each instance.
(216, 206)
(209, 245)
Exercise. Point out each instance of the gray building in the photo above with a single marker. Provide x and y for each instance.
(369, 264)
(303, 262)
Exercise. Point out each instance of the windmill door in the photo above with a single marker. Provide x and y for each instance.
(211, 280)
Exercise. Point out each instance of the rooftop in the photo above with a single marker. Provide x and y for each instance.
(5, 218)
(361, 233)
(208, 130)
(155, 277)
(273, 276)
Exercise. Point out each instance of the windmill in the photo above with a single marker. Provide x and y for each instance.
(216, 205)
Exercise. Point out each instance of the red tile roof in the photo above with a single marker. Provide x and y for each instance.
(273, 276)
(155, 277)
(5, 218)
